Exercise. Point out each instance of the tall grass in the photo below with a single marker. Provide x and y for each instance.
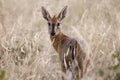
(25, 48)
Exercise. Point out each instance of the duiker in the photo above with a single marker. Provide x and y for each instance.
(71, 55)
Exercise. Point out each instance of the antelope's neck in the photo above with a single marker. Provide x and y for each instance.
(58, 41)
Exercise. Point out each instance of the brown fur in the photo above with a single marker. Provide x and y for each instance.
(54, 20)
(61, 43)
(70, 51)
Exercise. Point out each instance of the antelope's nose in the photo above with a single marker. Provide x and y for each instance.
(52, 33)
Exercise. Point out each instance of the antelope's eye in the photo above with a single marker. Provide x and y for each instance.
(58, 24)
(48, 24)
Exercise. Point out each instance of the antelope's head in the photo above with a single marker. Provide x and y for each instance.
(54, 22)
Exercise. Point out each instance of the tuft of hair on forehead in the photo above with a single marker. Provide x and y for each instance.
(54, 19)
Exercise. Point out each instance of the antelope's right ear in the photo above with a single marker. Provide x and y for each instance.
(45, 14)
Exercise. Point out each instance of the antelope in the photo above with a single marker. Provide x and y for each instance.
(71, 54)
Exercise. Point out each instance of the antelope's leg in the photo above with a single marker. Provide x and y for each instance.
(64, 71)
(81, 67)
(76, 75)
(87, 65)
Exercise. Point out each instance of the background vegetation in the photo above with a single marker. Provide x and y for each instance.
(25, 48)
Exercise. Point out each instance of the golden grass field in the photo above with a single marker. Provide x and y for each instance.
(25, 48)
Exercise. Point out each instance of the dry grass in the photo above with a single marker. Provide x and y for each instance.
(25, 48)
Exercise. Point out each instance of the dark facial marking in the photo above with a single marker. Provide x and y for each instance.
(53, 25)
(53, 30)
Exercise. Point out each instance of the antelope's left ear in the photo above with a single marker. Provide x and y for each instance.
(62, 14)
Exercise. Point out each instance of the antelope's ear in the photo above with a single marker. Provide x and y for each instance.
(45, 14)
(62, 14)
